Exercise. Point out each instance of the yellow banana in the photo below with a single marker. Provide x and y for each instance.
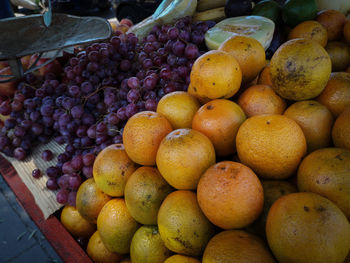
(204, 5)
(216, 14)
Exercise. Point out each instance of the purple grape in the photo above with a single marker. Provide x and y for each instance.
(52, 172)
(77, 163)
(47, 155)
(72, 198)
(74, 181)
(62, 196)
(36, 173)
(88, 159)
(51, 184)
(130, 110)
(19, 153)
(87, 171)
(173, 33)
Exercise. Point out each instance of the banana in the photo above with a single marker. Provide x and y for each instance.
(216, 14)
(204, 5)
(167, 12)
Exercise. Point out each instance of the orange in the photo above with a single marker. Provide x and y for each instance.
(273, 190)
(265, 77)
(312, 30)
(76, 225)
(315, 120)
(219, 120)
(144, 193)
(182, 225)
(346, 31)
(336, 95)
(142, 135)
(90, 200)
(339, 52)
(179, 108)
(230, 195)
(249, 53)
(98, 252)
(261, 99)
(236, 246)
(215, 74)
(183, 156)
(341, 130)
(271, 145)
(324, 172)
(300, 69)
(306, 227)
(147, 246)
(181, 259)
(116, 226)
(112, 169)
(333, 21)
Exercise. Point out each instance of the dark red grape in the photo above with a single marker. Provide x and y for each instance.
(51, 184)
(36, 173)
(19, 153)
(47, 155)
(62, 196)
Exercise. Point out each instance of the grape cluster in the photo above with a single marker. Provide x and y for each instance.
(101, 87)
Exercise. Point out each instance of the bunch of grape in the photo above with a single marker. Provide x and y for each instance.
(101, 88)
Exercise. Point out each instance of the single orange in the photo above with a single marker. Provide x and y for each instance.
(98, 252)
(112, 169)
(315, 120)
(144, 193)
(249, 53)
(265, 77)
(219, 120)
(237, 246)
(324, 172)
(214, 75)
(336, 95)
(339, 52)
(230, 195)
(76, 225)
(341, 130)
(179, 108)
(142, 135)
(300, 69)
(261, 99)
(312, 30)
(90, 200)
(333, 21)
(306, 227)
(271, 145)
(346, 31)
(183, 156)
(116, 226)
(182, 225)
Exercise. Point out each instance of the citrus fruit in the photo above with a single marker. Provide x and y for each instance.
(178, 107)
(297, 11)
(315, 120)
(300, 69)
(147, 246)
(341, 130)
(144, 193)
(339, 52)
(312, 30)
(112, 169)
(219, 120)
(116, 226)
(249, 53)
(90, 200)
(336, 95)
(236, 246)
(75, 223)
(215, 75)
(271, 145)
(230, 195)
(324, 172)
(98, 252)
(346, 31)
(142, 135)
(182, 225)
(306, 227)
(181, 259)
(333, 21)
(182, 157)
(265, 77)
(261, 99)
(273, 190)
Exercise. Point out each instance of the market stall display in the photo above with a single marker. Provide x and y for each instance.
(192, 135)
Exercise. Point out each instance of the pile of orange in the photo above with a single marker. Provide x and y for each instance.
(252, 164)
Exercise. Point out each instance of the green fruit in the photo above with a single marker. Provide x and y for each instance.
(296, 11)
(269, 9)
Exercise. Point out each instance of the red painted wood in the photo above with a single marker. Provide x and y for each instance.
(60, 239)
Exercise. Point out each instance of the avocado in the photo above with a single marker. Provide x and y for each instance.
(297, 11)
(238, 8)
(269, 9)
